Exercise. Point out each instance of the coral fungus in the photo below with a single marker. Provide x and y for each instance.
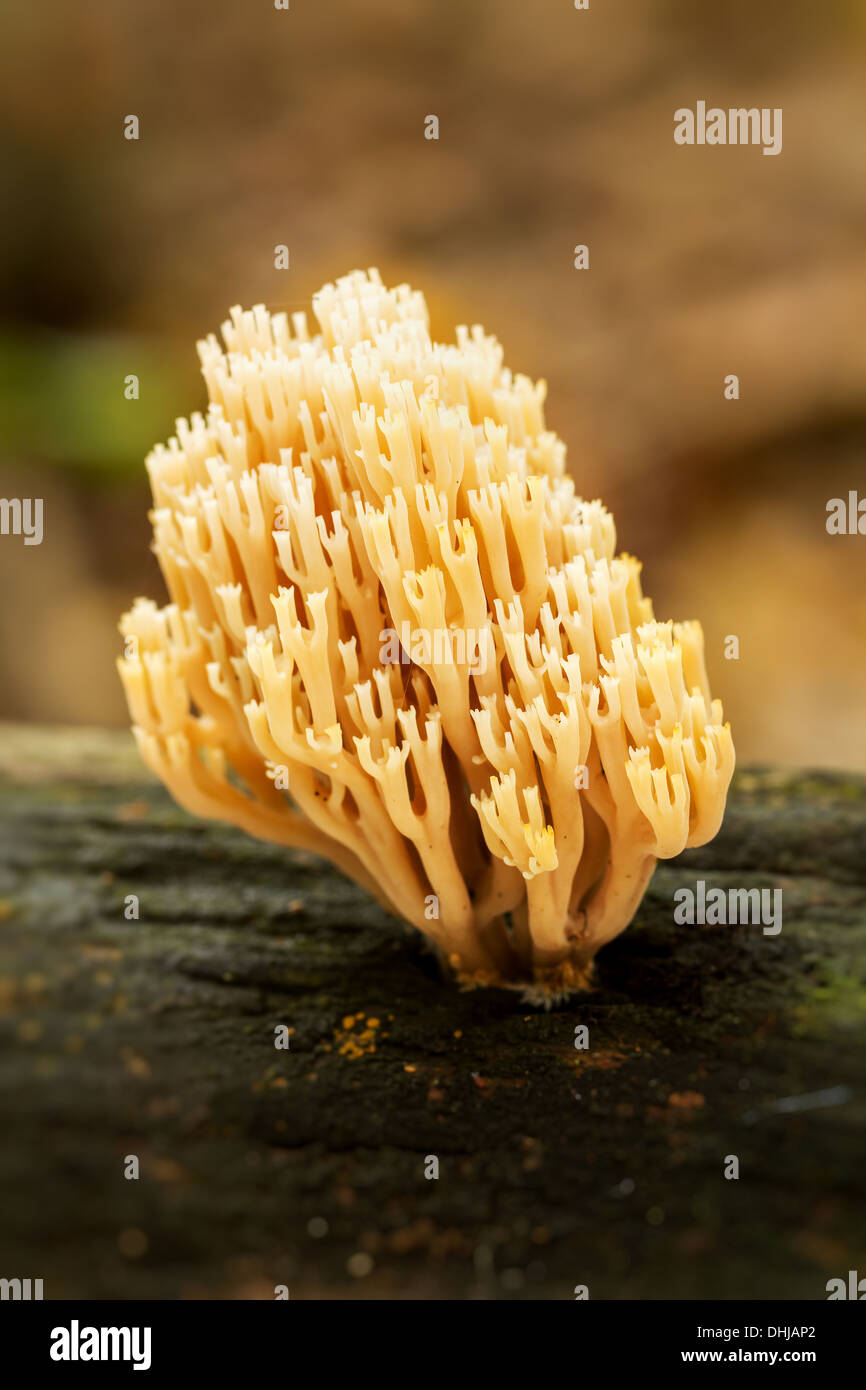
(506, 784)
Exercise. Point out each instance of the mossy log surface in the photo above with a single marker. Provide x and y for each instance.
(558, 1167)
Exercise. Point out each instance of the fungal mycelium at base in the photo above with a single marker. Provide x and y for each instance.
(398, 637)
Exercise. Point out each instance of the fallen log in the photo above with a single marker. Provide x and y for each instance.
(150, 964)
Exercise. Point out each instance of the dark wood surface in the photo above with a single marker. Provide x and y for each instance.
(306, 1167)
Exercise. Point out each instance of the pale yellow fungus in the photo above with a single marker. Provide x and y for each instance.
(505, 782)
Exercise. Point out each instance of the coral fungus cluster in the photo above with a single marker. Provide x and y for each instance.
(509, 795)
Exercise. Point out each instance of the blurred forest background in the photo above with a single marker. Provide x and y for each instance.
(306, 127)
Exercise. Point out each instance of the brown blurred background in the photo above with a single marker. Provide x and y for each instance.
(306, 127)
